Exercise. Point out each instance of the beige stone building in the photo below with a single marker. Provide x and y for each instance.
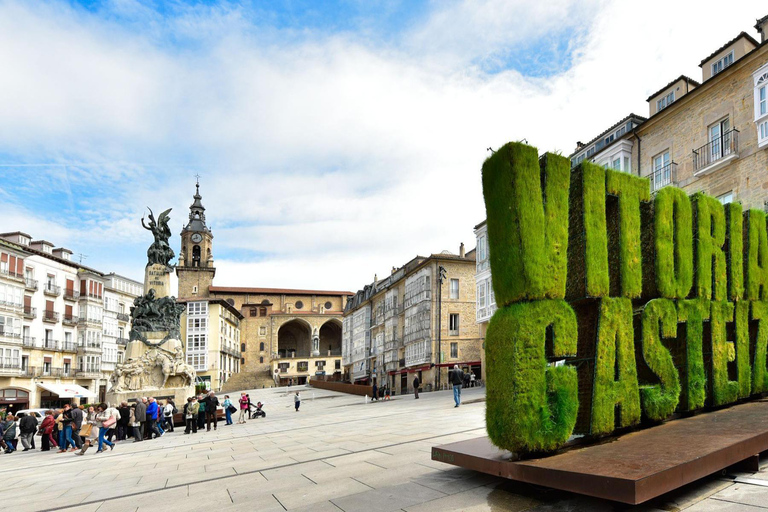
(281, 336)
(414, 323)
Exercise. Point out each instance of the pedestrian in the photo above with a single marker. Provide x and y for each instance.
(27, 428)
(9, 433)
(65, 434)
(46, 430)
(227, 404)
(375, 393)
(89, 431)
(159, 418)
(123, 424)
(168, 412)
(386, 393)
(141, 416)
(151, 423)
(296, 401)
(77, 422)
(472, 379)
(190, 415)
(133, 421)
(416, 384)
(106, 420)
(243, 407)
(211, 407)
(200, 412)
(457, 379)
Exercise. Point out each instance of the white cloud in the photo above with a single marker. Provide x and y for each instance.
(333, 157)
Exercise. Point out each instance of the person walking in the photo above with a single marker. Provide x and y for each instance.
(243, 408)
(77, 422)
(457, 379)
(168, 411)
(472, 379)
(46, 431)
(27, 428)
(9, 433)
(106, 420)
(374, 392)
(65, 435)
(89, 432)
(211, 407)
(296, 401)
(227, 411)
(200, 412)
(133, 422)
(190, 415)
(123, 424)
(416, 384)
(141, 416)
(151, 423)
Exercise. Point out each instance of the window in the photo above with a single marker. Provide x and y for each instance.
(261, 360)
(454, 288)
(302, 366)
(262, 311)
(299, 304)
(263, 330)
(67, 368)
(719, 139)
(454, 350)
(453, 324)
(46, 368)
(616, 164)
(722, 63)
(261, 346)
(254, 312)
(761, 106)
(726, 198)
(666, 101)
(661, 171)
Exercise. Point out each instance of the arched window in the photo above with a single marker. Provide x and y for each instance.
(261, 359)
(196, 256)
(242, 347)
(261, 346)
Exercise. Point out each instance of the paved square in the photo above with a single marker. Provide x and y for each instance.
(338, 453)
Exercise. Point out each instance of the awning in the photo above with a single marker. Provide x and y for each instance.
(67, 390)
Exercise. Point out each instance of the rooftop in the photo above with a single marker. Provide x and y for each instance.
(681, 77)
(729, 43)
(273, 291)
(580, 146)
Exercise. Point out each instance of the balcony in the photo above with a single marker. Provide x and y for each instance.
(30, 313)
(71, 294)
(30, 284)
(92, 346)
(122, 341)
(51, 289)
(28, 341)
(485, 313)
(49, 344)
(717, 154)
(418, 353)
(68, 346)
(91, 320)
(123, 317)
(663, 176)
(10, 336)
(10, 306)
(88, 372)
(50, 316)
(10, 367)
(10, 274)
(69, 320)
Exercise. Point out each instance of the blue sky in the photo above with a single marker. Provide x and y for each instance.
(333, 139)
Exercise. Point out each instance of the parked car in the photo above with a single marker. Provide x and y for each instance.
(39, 414)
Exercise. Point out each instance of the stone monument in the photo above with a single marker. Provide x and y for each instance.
(154, 358)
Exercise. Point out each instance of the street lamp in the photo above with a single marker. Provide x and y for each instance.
(441, 273)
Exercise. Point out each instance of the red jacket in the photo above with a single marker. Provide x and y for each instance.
(47, 425)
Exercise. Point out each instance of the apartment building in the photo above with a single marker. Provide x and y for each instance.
(119, 294)
(419, 321)
(52, 347)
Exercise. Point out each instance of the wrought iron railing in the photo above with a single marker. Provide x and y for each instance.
(30, 312)
(50, 316)
(725, 145)
(663, 176)
(70, 294)
(51, 289)
(123, 317)
(30, 284)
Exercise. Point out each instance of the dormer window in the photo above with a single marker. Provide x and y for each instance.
(23, 240)
(665, 101)
(723, 63)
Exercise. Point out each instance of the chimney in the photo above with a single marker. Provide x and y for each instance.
(461, 250)
(761, 27)
(375, 278)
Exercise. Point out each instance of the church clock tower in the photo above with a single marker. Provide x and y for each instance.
(195, 269)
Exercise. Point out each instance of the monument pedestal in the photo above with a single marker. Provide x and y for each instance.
(179, 395)
(158, 277)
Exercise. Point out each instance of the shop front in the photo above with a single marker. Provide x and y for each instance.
(14, 399)
(54, 396)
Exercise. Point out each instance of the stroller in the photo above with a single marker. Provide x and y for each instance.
(258, 412)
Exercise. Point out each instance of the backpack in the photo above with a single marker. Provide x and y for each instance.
(175, 410)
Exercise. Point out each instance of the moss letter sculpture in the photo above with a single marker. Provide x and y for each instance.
(693, 313)
(659, 320)
(674, 243)
(710, 256)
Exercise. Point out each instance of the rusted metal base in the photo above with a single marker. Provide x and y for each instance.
(635, 467)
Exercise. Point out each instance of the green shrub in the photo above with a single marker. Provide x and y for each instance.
(630, 191)
(759, 371)
(742, 349)
(724, 391)
(694, 312)
(757, 256)
(735, 243)
(709, 227)
(659, 320)
(615, 356)
(673, 230)
(531, 406)
(527, 229)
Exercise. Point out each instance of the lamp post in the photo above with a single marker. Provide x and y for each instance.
(440, 278)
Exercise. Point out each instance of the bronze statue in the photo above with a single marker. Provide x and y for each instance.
(160, 251)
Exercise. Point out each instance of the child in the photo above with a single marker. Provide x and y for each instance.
(296, 401)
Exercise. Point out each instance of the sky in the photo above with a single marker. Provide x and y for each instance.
(333, 139)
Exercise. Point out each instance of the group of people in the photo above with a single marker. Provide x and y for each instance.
(201, 409)
(456, 377)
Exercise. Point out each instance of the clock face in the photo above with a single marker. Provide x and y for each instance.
(197, 238)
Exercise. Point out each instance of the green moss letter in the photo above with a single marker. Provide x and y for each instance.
(724, 391)
(527, 226)
(735, 242)
(659, 320)
(759, 371)
(757, 256)
(710, 256)
(531, 406)
(693, 313)
(597, 279)
(674, 243)
(615, 369)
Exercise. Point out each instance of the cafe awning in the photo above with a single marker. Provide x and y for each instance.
(67, 390)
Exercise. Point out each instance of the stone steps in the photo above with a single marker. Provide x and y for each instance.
(247, 380)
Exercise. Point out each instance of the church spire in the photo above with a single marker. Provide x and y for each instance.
(197, 213)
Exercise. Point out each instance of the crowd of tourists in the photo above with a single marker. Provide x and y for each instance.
(76, 428)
